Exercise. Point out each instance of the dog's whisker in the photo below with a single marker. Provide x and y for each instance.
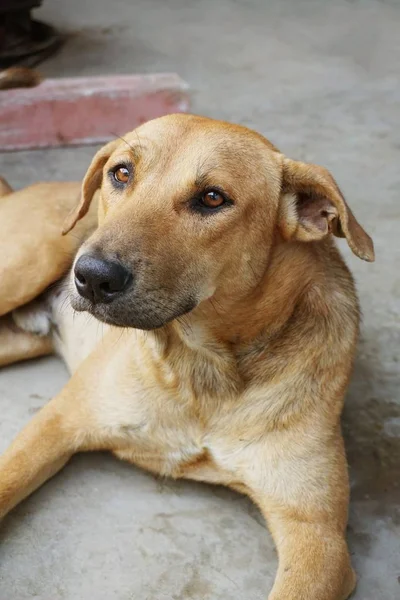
(213, 304)
(138, 138)
(126, 142)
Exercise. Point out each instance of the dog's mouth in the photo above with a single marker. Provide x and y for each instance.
(147, 313)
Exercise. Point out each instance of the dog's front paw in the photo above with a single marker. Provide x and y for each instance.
(33, 318)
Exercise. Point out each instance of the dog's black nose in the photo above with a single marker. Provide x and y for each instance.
(100, 280)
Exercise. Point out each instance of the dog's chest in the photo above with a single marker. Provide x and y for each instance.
(161, 436)
(167, 455)
(160, 431)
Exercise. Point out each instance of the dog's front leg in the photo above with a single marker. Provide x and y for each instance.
(63, 427)
(304, 501)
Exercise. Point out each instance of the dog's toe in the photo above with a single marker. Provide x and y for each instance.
(32, 318)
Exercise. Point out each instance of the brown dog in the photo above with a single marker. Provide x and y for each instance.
(220, 248)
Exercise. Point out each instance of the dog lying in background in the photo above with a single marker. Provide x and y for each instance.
(215, 253)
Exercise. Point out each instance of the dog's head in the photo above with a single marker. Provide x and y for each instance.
(189, 205)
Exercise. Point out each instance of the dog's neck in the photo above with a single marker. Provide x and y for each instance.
(239, 317)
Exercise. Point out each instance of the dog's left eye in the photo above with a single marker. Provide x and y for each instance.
(212, 199)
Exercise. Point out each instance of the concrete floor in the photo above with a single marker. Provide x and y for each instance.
(320, 79)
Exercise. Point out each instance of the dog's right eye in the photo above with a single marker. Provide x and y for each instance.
(121, 174)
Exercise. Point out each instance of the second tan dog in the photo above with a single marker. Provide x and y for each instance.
(215, 253)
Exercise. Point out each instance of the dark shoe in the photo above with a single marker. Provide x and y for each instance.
(24, 41)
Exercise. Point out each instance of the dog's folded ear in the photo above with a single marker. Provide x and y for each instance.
(91, 183)
(312, 207)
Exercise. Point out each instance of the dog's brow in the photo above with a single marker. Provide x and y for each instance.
(201, 178)
(208, 164)
(134, 149)
(203, 174)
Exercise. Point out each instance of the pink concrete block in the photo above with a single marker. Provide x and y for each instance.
(86, 110)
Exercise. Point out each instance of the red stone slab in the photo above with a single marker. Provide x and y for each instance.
(86, 110)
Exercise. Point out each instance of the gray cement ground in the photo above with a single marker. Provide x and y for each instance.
(321, 80)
